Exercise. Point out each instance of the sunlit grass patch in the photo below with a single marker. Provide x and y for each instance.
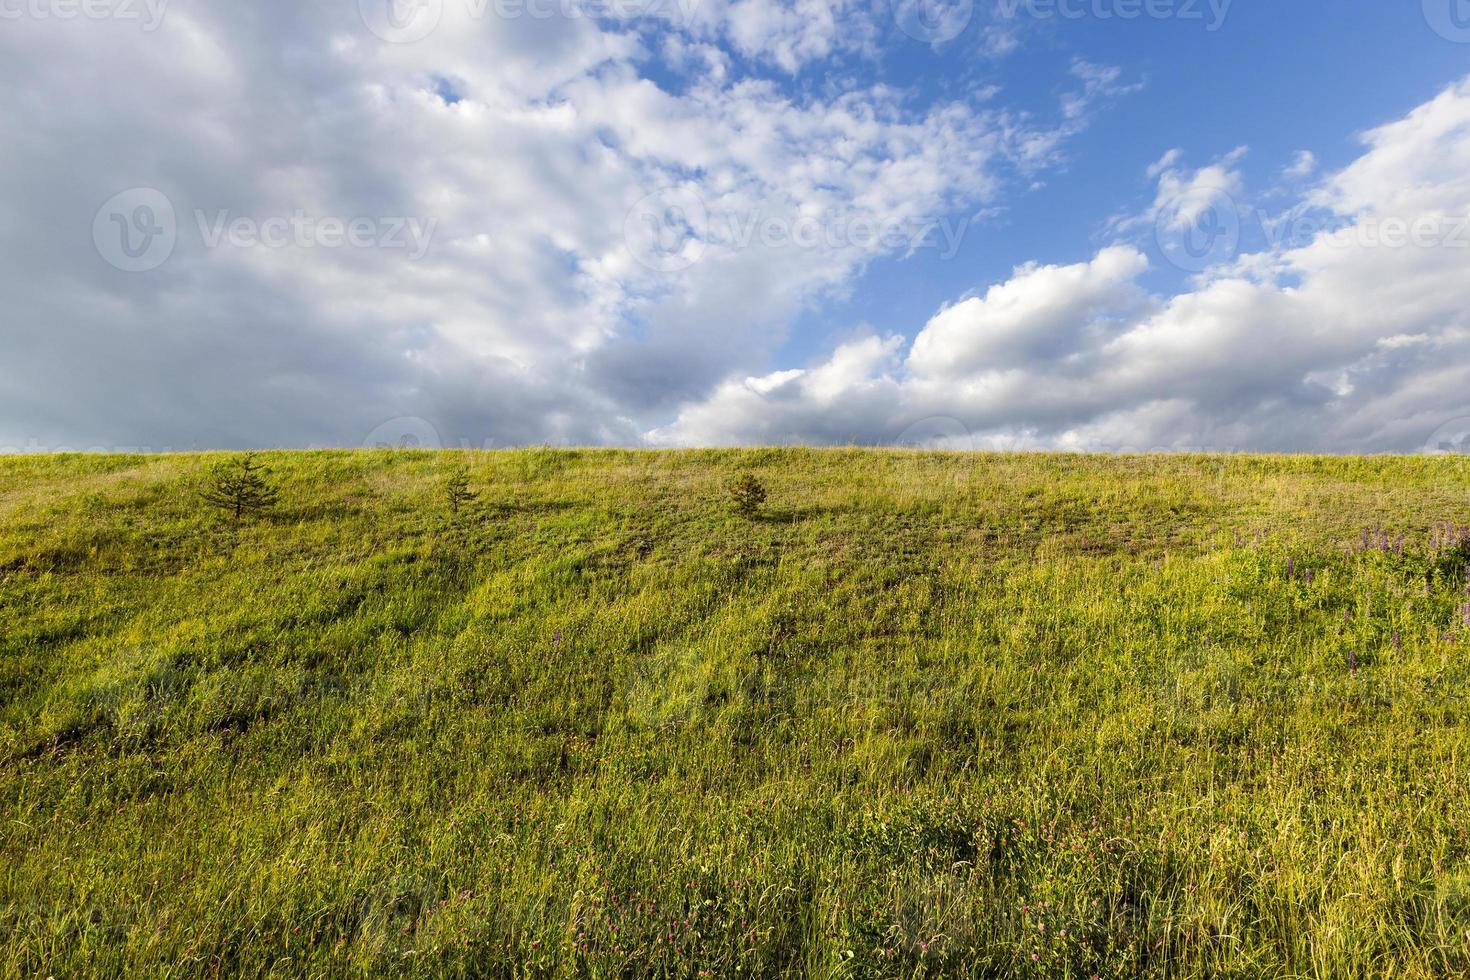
(917, 715)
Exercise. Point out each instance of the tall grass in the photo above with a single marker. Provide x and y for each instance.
(925, 716)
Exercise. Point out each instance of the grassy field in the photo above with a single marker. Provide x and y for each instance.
(925, 716)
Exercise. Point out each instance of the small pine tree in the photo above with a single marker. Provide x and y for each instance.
(747, 495)
(457, 490)
(240, 487)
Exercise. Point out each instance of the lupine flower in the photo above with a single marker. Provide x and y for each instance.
(1352, 661)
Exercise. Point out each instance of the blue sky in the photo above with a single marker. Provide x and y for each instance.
(1277, 77)
(687, 222)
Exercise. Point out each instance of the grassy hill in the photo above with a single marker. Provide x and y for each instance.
(926, 715)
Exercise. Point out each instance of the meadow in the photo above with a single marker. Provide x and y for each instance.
(922, 715)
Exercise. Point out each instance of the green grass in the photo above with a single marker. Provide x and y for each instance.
(925, 716)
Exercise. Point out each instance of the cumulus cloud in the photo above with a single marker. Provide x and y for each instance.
(1042, 312)
(1358, 339)
(559, 171)
(1303, 165)
(600, 230)
(1182, 194)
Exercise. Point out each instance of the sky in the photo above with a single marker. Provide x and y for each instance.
(1085, 225)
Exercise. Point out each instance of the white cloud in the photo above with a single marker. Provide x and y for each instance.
(1165, 163)
(525, 141)
(842, 399)
(1303, 165)
(528, 143)
(1098, 82)
(1183, 193)
(1040, 311)
(1351, 341)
